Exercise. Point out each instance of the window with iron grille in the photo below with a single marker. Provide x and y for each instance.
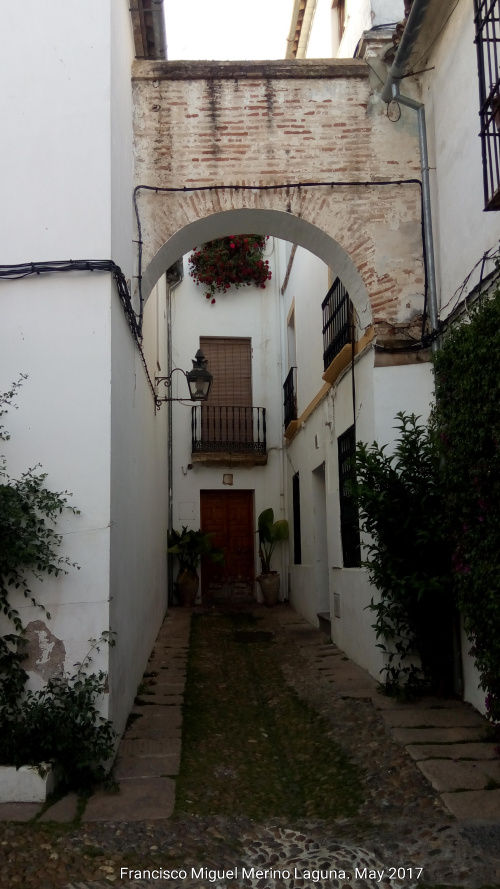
(487, 21)
(349, 518)
(337, 321)
(297, 540)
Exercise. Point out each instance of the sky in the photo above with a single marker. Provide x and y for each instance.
(227, 29)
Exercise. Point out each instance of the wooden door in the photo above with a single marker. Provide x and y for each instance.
(229, 516)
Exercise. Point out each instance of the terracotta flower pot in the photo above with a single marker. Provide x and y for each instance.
(270, 586)
(187, 583)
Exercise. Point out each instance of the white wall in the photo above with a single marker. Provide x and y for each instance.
(463, 231)
(361, 15)
(86, 412)
(55, 135)
(57, 332)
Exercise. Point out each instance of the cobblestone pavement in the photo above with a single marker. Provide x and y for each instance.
(404, 825)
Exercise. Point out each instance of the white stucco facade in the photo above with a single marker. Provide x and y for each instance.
(86, 412)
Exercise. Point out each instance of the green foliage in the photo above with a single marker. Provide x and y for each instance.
(60, 725)
(270, 534)
(191, 546)
(234, 261)
(401, 506)
(467, 420)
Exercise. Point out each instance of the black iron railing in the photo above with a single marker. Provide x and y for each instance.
(228, 428)
(349, 513)
(337, 321)
(290, 396)
(487, 21)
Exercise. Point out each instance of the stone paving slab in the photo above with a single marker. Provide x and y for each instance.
(63, 811)
(168, 700)
(139, 799)
(19, 811)
(152, 729)
(147, 766)
(474, 805)
(150, 747)
(443, 735)
(385, 702)
(429, 718)
(165, 687)
(446, 775)
(453, 751)
(170, 713)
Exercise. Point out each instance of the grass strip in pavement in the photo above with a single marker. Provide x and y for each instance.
(250, 745)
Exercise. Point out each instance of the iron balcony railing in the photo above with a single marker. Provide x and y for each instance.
(228, 428)
(290, 396)
(487, 22)
(337, 321)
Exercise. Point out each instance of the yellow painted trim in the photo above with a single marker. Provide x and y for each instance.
(330, 375)
(341, 360)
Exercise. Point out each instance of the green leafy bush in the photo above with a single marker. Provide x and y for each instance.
(401, 507)
(467, 419)
(60, 723)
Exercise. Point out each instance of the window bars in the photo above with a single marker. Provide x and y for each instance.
(337, 321)
(290, 396)
(349, 518)
(487, 22)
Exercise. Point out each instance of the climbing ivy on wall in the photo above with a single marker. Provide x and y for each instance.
(467, 421)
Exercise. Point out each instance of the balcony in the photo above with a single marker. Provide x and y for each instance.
(228, 435)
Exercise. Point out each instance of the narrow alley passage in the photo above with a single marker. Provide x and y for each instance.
(292, 764)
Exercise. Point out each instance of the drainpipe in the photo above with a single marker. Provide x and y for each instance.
(174, 277)
(391, 93)
(160, 37)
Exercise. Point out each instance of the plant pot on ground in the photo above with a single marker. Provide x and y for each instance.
(190, 547)
(270, 534)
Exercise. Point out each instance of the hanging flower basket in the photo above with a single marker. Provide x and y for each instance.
(230, 262)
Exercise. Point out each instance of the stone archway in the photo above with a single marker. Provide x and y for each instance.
(276, 223)
(303, 151)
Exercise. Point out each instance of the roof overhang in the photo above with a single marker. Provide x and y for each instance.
(149, 29)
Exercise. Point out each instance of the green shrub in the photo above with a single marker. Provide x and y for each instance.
(60, 723)
(401, 508)
(467, 420)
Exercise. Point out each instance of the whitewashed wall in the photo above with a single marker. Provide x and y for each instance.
(463, 231)
(247, 312)
(360, 16)
(85, 412)
(380, 394)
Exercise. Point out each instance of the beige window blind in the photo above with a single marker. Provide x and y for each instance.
(230, 363)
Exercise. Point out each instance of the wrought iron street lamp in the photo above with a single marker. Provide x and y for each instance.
(199, 380)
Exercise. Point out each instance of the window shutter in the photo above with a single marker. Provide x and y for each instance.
(230, 363)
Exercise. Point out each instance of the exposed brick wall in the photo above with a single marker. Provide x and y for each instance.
(199, 124)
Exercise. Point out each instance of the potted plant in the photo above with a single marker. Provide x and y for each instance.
(190, 547)
(270, 533)
(233, 261)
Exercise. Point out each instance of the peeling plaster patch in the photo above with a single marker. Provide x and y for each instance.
(394, 242)
(46, 653)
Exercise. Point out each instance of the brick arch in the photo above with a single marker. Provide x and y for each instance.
(278, 224)
(220, 148)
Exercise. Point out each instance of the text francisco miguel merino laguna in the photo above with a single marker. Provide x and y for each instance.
(213, 875)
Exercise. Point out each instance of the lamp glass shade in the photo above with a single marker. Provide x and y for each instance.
(199, 379)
